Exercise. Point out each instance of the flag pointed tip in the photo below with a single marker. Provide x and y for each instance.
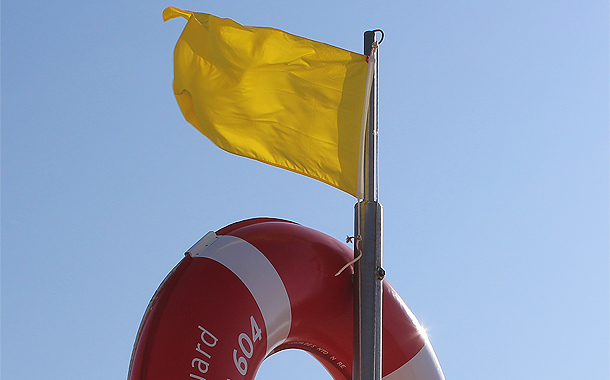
(173, 12)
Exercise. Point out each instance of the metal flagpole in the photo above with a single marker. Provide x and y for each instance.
(368, 272)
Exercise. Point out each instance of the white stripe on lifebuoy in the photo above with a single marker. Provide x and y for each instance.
(260, 286)
(424, 365)
(259, 276)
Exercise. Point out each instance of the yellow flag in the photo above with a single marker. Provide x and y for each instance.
(272, 96)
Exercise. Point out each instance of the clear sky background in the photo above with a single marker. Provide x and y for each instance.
(493, 175)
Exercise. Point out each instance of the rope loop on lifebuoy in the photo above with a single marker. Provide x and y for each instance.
(356, 248)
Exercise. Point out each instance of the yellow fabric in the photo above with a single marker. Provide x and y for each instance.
(272, 96)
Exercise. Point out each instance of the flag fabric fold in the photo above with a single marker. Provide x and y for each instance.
(272, 96)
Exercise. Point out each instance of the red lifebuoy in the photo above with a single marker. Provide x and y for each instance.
(260, 286)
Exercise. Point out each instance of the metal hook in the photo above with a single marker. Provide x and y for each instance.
(382, 35)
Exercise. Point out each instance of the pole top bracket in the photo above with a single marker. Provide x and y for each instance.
(375, 31)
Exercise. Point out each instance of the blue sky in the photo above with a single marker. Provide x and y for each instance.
(493, 175)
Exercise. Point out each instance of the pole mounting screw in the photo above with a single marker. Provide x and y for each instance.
(380, 273)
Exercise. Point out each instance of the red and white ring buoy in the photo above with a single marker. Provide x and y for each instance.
(260, 286)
